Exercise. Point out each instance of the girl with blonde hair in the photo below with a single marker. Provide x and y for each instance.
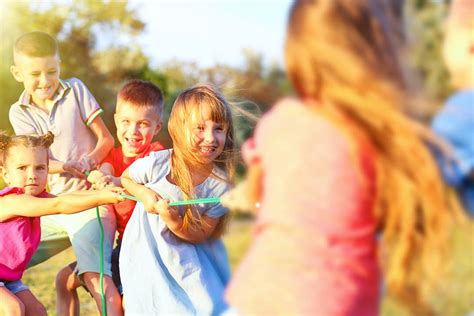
(349, 193)
(172, 259)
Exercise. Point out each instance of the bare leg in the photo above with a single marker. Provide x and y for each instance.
(67, 300)
(11, 305)
(112, 296)
(33, 307)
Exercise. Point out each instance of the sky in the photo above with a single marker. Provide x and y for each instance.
(212, 31)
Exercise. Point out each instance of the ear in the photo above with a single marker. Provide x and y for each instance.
(158, 128)
(5, 175)
(116, 119)
(16, 73)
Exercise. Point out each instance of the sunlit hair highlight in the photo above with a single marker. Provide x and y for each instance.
(190, 107)
(36, 44)
(140, 93)
(346, 54)
(8, 143)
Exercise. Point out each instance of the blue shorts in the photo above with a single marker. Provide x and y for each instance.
(82, 230)
(14, 286)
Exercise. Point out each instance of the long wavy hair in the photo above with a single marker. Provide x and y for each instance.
(191, 105)
(347, 54)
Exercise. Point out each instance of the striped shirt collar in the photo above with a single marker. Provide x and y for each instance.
(25, 97)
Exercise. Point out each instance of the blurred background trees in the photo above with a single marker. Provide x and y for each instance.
(99, 44)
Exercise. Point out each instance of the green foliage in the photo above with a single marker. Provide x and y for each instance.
(76, 26)
(425, 27)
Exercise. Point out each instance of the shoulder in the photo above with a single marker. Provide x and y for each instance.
(154, 160)
(75, 83)
(16, 108)
(295, 122)
(161, 155)
(156, 146)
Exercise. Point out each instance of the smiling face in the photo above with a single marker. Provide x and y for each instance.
(39, 75)
(136, 126)
(207, 136)
(27, 168)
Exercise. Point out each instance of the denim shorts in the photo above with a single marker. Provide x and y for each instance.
(14, 286)
(82, 230)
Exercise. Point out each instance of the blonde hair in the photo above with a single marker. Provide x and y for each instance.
(346, 53)
(8, 142)
(188, 105)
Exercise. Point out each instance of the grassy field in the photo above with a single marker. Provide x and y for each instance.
(456, 297)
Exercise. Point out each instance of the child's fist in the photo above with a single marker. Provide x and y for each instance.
(161, 206)
(111, 194)
(99, 179)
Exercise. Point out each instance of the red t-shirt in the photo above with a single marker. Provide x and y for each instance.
(123, 210)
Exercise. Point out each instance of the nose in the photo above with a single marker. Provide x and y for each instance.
(134, 128)
(209, 135)
(43, 79)
(32, 174)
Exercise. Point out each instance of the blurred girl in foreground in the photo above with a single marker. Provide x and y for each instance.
(353, 195)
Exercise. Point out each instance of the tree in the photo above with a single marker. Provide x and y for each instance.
(78, 26)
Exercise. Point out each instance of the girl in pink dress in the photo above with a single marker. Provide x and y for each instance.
(24, 167)
(348, 191)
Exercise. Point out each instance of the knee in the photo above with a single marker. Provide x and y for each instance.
(62, 282)
(36, 309)
(13, 307)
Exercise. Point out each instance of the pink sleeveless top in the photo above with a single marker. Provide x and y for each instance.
(314, 248)
(19, 239)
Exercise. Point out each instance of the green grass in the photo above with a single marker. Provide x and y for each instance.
(456, 296)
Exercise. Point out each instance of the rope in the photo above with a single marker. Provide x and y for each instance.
(130, 197)
(101, 264)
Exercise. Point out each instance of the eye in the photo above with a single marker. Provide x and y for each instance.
(52, 72)
(199, 128)
(22, 168)
(125, 121)
(41, 168)
(35, 74)
(144, 124)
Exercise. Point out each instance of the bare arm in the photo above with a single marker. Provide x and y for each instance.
(31, 206)
(174, 222)
(145, 195)
(105, 141)
(73, 167)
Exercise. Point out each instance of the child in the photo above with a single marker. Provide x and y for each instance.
(68, 109)
(24, 166)
(138, 120)
(173, 260)
(455, 121)
(348, 182)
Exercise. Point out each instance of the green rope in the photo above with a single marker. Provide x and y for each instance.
(101, 260)
(101, 264)
(184, 202)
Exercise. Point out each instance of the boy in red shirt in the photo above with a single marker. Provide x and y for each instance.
(138, 119)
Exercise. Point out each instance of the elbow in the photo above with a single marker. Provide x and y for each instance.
(196, 238)
(109, 142)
